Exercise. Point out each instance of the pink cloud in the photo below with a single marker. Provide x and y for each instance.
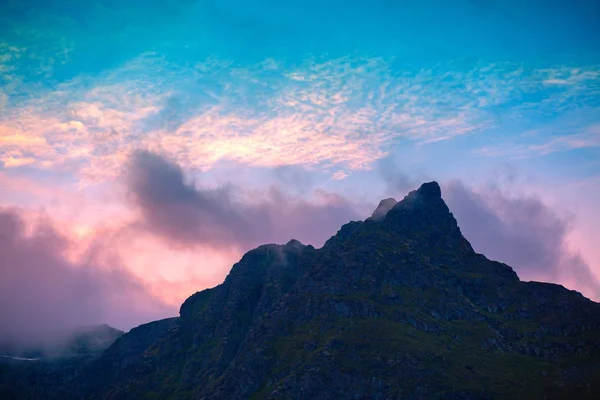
(42, 289)
(343, 112)
(524, 232)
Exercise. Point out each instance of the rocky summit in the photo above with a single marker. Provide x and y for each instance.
(398, 306)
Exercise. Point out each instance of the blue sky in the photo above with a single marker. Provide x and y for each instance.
(348, 102)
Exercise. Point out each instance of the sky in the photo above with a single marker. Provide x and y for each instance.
(146, 145)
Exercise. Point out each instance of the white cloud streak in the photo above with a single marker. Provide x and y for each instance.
(343, 113)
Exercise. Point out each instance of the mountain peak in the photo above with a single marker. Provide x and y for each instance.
(427, 197)
(423, 217)
(382, 209)
(430, 190)
(295, 244)
(427, 193)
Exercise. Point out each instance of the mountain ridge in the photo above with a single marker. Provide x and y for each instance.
(411, 272)
(43, 368)
(398, 306)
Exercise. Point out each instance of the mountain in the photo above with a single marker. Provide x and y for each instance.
(398, 306)
(43, 367)
(125, 352)
(83, 341)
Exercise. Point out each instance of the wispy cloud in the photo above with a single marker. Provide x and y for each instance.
(554, 139)
(342, 113)
(339, 175)
(42, 288)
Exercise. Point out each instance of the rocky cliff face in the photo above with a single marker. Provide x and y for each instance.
(396, 306)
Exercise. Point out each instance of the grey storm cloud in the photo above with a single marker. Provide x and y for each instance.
(188, 215)
(42, 291)
(522, 232)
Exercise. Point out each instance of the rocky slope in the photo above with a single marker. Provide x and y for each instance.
(396, 306)
(126, 351)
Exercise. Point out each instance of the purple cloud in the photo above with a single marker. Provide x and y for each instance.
(41, 290)
(522, 232)
(187, 215)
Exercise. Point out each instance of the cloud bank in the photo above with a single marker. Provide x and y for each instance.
(522, 232)
(42, 286)
(42, 289)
